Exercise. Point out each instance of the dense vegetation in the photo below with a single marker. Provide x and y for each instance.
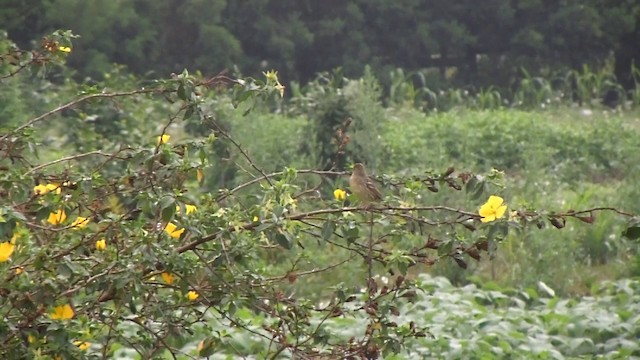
(195, 216)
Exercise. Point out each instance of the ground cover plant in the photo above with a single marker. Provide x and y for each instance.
(492, 322)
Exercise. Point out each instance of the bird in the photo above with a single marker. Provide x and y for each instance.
(362, 186)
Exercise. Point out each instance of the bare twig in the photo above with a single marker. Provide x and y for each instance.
(74, 157)
(76, 102)
(226, 194)
(301, 216)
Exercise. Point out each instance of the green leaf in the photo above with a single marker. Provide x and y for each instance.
(283, 240)
(632, 232)
(188, 113)
(182, 94)
(445, 248)
(168, 207)
(327, 229)
(498, 231)
(76, 269)
(403, 267)
(475, 187)
(277, 211)
(241, 96)
(64, 271)
(167, 213)
(263, 227)
(17, 215)
(132, 306)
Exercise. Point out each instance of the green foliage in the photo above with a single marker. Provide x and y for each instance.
(336, 105)
(603, 325)
(191, 229)
(476, 44)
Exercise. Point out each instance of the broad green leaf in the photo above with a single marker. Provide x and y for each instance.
(283, 240)
(327, 229)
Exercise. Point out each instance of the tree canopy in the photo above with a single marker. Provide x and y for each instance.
(488, 42)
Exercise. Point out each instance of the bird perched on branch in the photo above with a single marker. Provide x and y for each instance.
(362, 186)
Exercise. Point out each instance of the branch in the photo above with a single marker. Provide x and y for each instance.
(192, 245)
(605, 208)
(73, 157)
(264, 177)
(76, 102)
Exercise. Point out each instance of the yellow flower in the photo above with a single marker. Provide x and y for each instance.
(272, 78)
(167, 277)
(82, 345)
(163, 139)
(57, 217)
(64, 49)
(493, 209)
(6, 249)
(19, 270)
(101, 244)
(256, 218)
(192, 295)
(339, 194)
(188, 209)
(62, 312)
(44, 189)
(173, 230)
(271, 75)
(80, 222)
(54, 187)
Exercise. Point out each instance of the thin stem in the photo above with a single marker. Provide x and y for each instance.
(72, 157)
(75, 102)
(370, 251)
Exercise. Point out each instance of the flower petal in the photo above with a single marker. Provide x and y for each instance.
(495, 201)
(489, 218)
(6, 249)
(485, 210)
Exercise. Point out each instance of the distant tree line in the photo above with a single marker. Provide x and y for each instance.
(473, 42)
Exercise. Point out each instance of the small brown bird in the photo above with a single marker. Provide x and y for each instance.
(362, 186)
